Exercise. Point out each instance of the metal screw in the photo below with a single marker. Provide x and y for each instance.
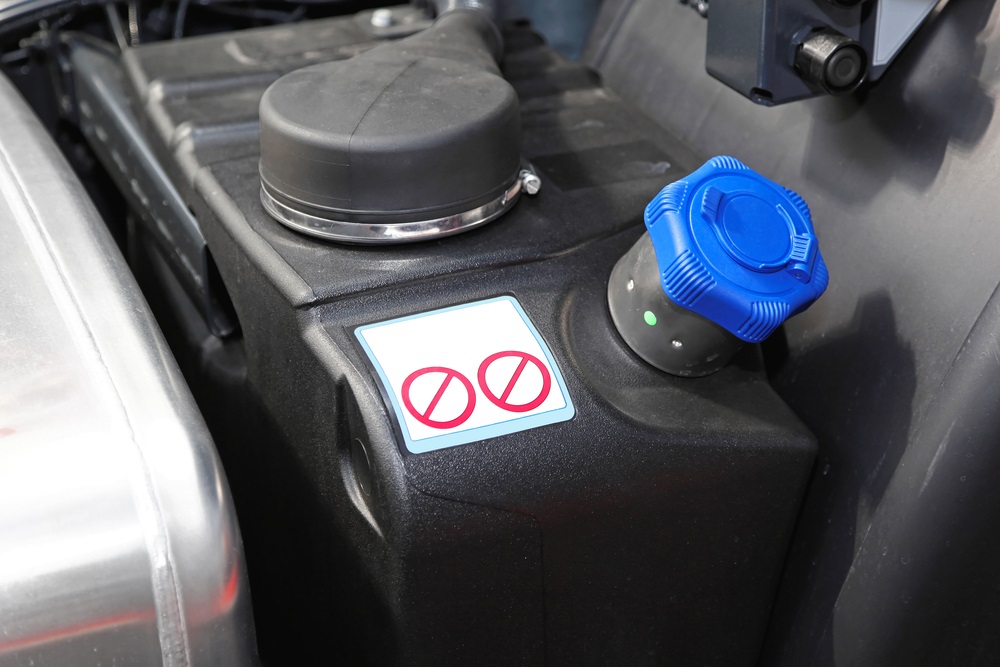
(382, 18)
(530, 182)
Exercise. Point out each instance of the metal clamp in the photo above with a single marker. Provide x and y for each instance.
(360, 232)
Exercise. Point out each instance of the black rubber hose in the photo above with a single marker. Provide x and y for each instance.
(486, 8)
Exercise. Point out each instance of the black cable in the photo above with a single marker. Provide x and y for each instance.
(182, 9)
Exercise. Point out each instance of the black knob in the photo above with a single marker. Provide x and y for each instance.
(834, 62)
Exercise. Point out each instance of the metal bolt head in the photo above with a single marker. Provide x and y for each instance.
(530, 182)
(382, 18)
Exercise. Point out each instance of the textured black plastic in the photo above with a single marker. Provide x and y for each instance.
(896, 559)
(650, 528)
(417, 129)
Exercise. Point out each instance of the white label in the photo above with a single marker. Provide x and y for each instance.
(466, 373)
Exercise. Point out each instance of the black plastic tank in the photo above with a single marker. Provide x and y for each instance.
(643, 518)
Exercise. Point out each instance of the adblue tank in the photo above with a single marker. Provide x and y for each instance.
(728, 256)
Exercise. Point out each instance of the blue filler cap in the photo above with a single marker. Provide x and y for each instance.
(736, 248)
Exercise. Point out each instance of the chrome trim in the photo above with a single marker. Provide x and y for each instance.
(370, 233)
(118, 538)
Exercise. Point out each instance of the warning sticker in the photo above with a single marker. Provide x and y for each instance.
(466, 373)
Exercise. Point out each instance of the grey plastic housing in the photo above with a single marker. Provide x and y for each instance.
(417, 129)
(752, 44)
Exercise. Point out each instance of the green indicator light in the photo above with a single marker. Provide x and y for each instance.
(649, 317)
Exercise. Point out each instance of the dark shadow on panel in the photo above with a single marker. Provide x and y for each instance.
(855, 392)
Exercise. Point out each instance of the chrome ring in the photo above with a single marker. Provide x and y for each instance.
(369, 233)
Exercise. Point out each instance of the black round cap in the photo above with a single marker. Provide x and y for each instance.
(831, 61)
(844, 68)
(414, 130)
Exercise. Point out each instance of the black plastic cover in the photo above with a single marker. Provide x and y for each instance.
(412, 130)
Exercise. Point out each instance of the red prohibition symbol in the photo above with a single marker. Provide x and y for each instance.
(425, 417)
(502, 401)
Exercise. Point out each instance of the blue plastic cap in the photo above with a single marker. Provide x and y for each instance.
(736, 248)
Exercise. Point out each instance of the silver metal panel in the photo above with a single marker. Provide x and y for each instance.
(118, 540)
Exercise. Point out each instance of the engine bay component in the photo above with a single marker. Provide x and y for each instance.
(497, 466)
(728, 256)
(777, 51)
(458, 451)
(412, 140)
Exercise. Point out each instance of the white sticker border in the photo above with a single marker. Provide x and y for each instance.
(479, 433)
